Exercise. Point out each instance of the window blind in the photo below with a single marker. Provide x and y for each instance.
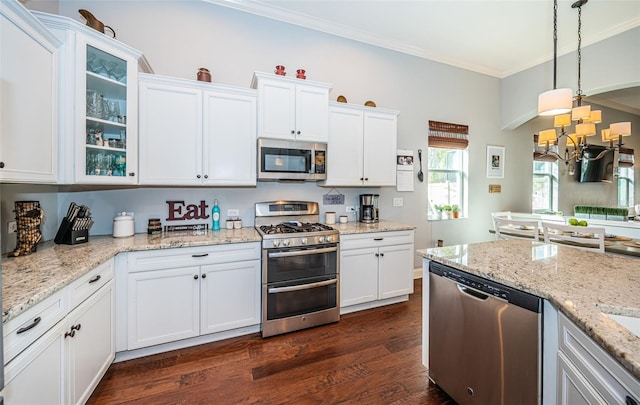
(625, 158)
(446, 135)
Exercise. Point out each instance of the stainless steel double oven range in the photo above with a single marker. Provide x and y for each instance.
(300, 267)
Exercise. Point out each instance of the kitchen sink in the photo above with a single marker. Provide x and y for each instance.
(631, 323)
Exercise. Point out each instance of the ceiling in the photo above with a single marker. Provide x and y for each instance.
(494, 37)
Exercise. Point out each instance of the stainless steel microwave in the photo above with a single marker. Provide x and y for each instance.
(291, 160)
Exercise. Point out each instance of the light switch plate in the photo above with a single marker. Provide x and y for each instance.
(398, 202)
(233, 212)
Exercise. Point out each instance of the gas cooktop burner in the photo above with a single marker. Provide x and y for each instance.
(293, 227)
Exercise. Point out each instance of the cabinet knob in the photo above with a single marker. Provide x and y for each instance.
(198, 176)
(206, 176)
(195, 276)
(293, 132)
(382, 254)
(361, 178)
(298, 133)
(204, 276)
(132, 174)
(366, 179)
(377, 255)
(1, 165)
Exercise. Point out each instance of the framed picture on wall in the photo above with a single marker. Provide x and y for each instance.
(495, 162)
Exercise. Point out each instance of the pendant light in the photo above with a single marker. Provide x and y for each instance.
(556, 101)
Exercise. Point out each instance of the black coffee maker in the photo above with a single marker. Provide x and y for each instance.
(369, 208)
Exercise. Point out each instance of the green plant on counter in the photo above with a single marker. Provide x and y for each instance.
(455, 208)
(447, 208)
(438, 208)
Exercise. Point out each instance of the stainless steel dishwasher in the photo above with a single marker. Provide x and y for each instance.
(484, 339)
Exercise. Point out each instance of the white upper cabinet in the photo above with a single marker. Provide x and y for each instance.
(98, 105)
(291, 108)
(194, 133)
(28, 94)
(362, 146)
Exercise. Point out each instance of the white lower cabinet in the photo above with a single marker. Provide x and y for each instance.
(176, 294)
(587, 374)
(65, 363)
(375, 267)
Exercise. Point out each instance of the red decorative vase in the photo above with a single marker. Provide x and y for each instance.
(300, 74)
(280, 70)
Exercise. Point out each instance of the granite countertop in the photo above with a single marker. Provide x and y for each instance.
(583, 285)
(27, 280)
(382, 226)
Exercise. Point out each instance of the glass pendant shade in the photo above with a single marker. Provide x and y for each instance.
(620, 129)
(554, 102)
(548, 135)
(562, 120)
(586, 129)
(580, 113)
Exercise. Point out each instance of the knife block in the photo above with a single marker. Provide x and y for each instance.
(68, 236)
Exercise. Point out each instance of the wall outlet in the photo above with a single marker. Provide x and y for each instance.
(233, 212)
(398, 202)
(350, 208)
(12, 226)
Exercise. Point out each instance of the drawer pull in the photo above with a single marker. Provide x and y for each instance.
(31, 326)
(630, 401)
(96, 278)
(201, 255)
(378, 238)
(70, 334)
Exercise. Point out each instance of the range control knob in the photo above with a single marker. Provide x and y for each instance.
(329, 238)
(304, 241)
(276, 243)
(320, 239)
(285, 242)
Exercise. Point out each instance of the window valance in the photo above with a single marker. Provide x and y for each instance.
(447, 135)
(625, 157)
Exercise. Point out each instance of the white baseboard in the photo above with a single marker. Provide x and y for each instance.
(417, 272)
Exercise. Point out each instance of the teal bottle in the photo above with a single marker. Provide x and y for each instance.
(215, 216)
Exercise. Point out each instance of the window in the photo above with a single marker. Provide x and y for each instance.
(447, 169)
(545, 186)
(447, 179)
(625, 187)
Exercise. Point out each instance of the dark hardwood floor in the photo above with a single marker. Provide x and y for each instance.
(369, 357)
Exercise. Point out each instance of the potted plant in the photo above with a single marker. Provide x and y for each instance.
(438, 209)
(455, 210)
(446, 211)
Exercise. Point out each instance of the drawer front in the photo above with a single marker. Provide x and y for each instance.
(82, 288)
(378, 239)
(23, 330)
(603, 372)
(181, 257)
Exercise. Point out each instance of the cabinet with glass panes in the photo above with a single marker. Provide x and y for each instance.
(98, 121)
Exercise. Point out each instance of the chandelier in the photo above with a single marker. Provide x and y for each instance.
(554, 103)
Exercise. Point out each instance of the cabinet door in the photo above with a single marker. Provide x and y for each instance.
(344, 156)
(312, 113)
(106, 106)
(230, 295)
(92, 346)
(380, 139)
(573, 388)
(29, 91)
(36, 376)
(229, 139)
(396, 271)
(163, 306)
(276, 109)
(170, 134)
(358, 276)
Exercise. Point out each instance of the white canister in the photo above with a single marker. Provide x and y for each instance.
(330, 218)
(237, 224)
(344, 219)
(123, 225)
(230, 223)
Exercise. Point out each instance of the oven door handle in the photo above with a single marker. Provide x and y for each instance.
(275, 290)
(304, 252)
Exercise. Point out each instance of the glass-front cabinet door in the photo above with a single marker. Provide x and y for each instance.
(106, 143)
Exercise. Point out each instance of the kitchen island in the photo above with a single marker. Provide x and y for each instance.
(584, 286)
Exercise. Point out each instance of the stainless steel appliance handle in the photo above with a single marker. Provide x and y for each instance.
(302, 287)
(304, 252)
(475, 294)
